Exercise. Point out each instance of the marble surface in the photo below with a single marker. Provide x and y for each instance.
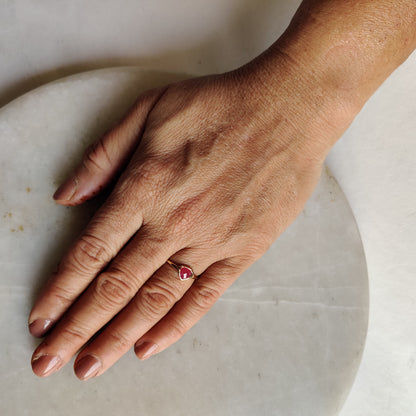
(286, 338)
(373, 162)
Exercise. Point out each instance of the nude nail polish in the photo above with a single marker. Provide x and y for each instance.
(145, 349)
(87, 367)
(46, 364)
(39, 327)
(67, 190)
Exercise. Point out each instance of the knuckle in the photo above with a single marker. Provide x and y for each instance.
(183, 218)
(148, 168)
(74, 333)
(141, 181)
(153, 174)
(90, 253)
(177, 330)
(205, 296)
(96, 156)
(112, 290)
(119, 341)
(150, 171)
(155, 300)
(253, 250)
(62, 294)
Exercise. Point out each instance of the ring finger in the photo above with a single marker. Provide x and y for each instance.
(153, 301)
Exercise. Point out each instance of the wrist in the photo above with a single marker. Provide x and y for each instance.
(296, 93)
(330, 60)
(350, 47)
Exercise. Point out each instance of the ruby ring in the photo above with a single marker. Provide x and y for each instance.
(184, 272)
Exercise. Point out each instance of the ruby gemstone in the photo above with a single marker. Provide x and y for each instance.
(185, 273)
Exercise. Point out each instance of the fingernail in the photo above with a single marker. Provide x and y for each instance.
(39, 327)
(145, 349)
(87, 367)
(67, 190)
(46, 364)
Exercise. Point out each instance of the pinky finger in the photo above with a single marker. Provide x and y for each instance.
(196, 302)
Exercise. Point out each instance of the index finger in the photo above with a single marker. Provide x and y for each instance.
(87, 256)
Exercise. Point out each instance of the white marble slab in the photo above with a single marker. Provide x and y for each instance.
(286, 339)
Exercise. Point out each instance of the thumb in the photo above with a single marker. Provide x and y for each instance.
(105, 158)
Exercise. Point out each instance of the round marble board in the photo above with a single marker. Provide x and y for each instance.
(286, 338)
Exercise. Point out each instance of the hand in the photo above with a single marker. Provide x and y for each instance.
(210, 171)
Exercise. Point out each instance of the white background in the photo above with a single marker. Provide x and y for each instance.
(374, 161)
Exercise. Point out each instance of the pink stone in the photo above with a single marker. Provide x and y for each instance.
(185, 273)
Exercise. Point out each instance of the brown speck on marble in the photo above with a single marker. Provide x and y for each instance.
(13, 230)
(329, 173)
(21, 228)
(196, 343)
(327, 170)
(28, 189)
